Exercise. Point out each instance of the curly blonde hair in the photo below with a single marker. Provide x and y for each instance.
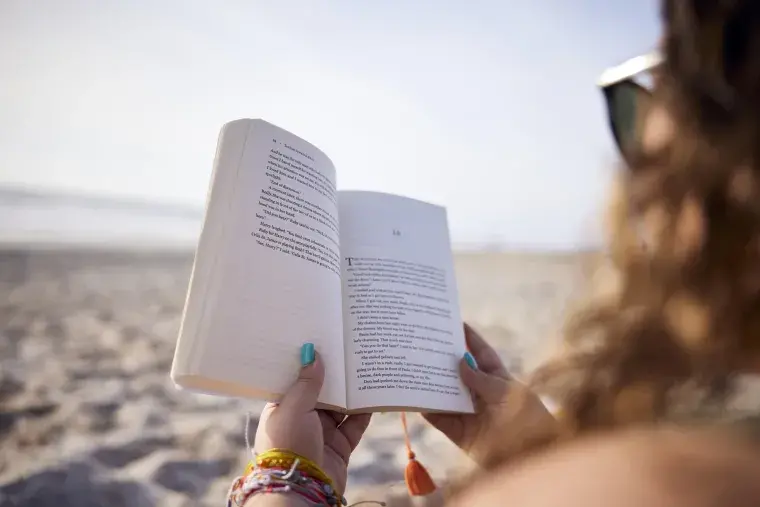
(684, 315)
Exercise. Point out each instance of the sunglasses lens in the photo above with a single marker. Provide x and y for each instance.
(627, 103)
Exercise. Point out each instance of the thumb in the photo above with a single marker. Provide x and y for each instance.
(303, 394)
(489, 388)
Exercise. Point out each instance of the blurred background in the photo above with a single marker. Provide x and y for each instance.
(109, 115)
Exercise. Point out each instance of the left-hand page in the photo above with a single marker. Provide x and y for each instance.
(266, 277)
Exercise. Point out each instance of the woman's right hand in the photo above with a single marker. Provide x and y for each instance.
(499, 400)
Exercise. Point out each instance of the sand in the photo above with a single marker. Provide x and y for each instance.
(89, 417)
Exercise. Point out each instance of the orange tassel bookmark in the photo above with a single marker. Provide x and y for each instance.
(418, 480)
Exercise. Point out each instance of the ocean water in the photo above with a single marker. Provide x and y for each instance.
(54, 220)
(57, 220)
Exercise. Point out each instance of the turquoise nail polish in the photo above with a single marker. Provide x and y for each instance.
(307, 354)
(470, 361)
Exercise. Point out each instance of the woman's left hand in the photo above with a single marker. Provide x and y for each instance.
(323, 436)
(500, 401)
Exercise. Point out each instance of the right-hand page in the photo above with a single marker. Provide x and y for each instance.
(402, 327)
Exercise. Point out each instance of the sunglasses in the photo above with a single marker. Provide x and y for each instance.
(628, 95)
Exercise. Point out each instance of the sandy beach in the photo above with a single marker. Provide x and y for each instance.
(89, 417)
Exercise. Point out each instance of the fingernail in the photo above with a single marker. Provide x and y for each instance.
(307, 354)
(470, 361)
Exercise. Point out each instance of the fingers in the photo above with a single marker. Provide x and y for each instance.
(353, 428)
(489, 387)
(487, 358)
(344, 437)
(302, 395)
(337, 417)
(434, 417)
(449, 424)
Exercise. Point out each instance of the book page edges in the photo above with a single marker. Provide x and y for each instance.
(206, 253)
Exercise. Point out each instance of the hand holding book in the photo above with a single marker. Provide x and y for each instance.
(325, 437)
(367, 277)
(328, 438)
(498, 397)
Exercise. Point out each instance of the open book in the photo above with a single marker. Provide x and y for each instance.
(284, 259)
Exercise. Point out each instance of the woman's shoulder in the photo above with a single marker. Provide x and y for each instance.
(646, 466)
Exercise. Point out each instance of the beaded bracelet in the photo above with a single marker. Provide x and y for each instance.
(282, 471)
(283, 458)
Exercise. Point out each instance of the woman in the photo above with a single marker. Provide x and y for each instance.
(650, 363)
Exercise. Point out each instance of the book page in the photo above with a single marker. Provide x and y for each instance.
(275, 281)
(402, 327)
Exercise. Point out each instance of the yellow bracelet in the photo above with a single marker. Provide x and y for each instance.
(283, 458)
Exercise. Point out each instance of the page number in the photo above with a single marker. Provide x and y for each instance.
(396, 232)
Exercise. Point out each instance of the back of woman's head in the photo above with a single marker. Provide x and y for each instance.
(686, 310)
(712, 69)
(684, 315)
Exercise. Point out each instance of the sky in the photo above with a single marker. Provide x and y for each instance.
(487, 107)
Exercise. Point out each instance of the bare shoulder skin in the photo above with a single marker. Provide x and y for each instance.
(653, 468)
